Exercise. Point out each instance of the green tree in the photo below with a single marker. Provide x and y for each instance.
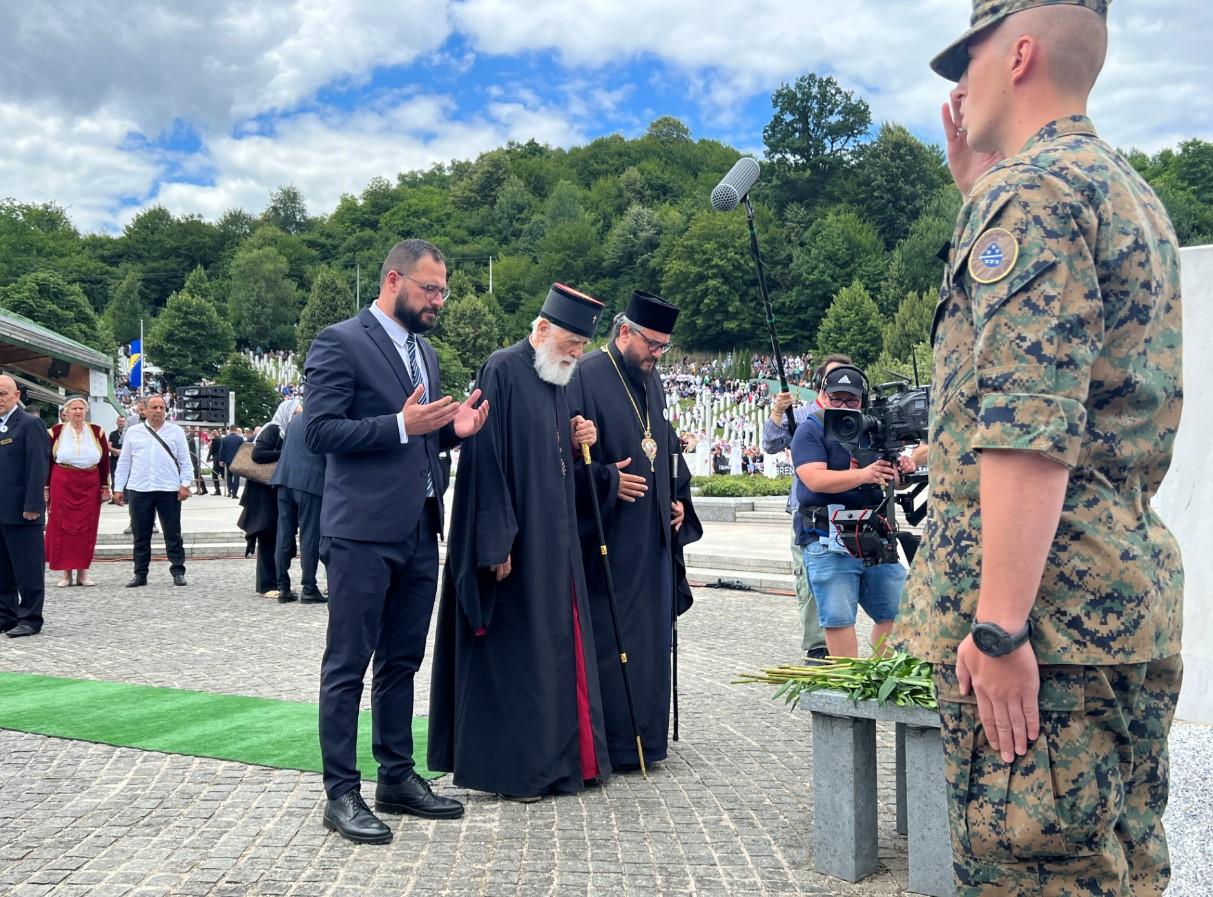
(455, 374)
(837, 249)
(668, 129)
(263, 304)
(852, 326)
(188, 340)
(126, 310)
(710, 277)
(287, 210)
(632, 244)
(812, 137)
(910, 326)
(198, 284)
(919, 251)
(471, 326)
(256, 399)
(46, 298)
(329, 302)
(896, 178)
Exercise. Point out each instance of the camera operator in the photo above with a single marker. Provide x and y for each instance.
(776, 436)
(828, 479)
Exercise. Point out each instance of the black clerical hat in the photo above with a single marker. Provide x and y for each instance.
(653, 312)
(574, 311)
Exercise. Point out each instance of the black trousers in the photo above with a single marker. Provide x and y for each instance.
(381, 596)
(298, 510)
(22, 557)
(216, 469)
(233, 484)
(145, 508)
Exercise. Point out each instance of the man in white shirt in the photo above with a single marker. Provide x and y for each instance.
(154, 470)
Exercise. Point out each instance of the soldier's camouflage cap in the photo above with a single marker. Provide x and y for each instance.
(953, 61)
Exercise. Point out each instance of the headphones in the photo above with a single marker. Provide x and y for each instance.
(853, 371)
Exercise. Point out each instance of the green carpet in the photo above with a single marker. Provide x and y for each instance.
(257, 731)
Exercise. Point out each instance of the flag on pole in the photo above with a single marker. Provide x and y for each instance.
(136, 364)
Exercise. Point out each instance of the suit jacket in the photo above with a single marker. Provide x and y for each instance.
(229, 446)
(299, 467)
(374, 488)
(25, 457)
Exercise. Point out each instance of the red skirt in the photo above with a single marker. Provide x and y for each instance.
(71, 521)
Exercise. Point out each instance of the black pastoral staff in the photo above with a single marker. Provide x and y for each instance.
(24, 462)
(375, 408)
(635, 459)
(514, 697)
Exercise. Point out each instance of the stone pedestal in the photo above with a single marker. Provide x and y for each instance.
(844, 790)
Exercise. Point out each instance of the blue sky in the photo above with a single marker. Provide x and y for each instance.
(211, 105)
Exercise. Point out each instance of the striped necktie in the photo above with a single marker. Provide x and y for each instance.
(415, 373)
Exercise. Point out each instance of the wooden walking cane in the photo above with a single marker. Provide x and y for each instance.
(610, 588)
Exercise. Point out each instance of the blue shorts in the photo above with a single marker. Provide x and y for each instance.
(840, 583)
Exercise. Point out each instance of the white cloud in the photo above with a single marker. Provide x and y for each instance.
(327, 155)
(1153, 93)
(209, 63)
(74, 162)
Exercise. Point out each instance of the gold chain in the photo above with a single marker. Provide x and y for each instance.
(648, 445)
(644, 421)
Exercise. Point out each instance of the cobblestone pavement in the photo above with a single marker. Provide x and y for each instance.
(728, 813)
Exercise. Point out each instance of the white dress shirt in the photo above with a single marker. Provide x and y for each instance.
(144, 465)
(399, 337)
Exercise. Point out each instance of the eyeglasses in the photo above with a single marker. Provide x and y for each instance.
(655, 346)
(431, 290)
(838, 401)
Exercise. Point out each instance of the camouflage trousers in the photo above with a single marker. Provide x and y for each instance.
(1080, 814)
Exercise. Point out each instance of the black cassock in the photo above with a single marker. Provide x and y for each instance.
(507, 701)
(639, 544)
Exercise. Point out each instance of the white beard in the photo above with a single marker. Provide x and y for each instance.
(549, 367)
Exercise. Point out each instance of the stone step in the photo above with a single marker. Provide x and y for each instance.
(752, 564)
(776, 516)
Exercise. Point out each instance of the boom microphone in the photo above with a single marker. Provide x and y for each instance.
(735, 185)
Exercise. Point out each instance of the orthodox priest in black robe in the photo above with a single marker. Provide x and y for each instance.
(644, 491)
(515, 706)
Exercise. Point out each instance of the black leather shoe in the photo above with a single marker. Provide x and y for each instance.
(287, 597)
(178, 579)
(139, 579)
(312, 596)
(413, 796)
(352, 819)
(23, 629)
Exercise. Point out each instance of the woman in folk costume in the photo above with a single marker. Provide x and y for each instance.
(77, 485)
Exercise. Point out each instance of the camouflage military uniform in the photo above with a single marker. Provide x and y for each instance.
(1058, 331)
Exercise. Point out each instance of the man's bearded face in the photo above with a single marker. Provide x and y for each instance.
(556, 356)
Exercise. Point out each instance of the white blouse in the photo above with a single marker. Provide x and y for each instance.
(78, 449)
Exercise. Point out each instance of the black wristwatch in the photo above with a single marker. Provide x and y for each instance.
(994, 641)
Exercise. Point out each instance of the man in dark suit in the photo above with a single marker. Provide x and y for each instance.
(375, 408)
(299, 481)
(24, 462)
(227, 454)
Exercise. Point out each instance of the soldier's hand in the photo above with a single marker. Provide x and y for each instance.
(965, 164)
(631, 487)
(1006, 689)
(421, 419)
(501, 571)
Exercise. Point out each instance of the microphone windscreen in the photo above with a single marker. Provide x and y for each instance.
(734, 186)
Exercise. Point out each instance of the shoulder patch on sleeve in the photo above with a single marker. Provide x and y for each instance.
(993, 255)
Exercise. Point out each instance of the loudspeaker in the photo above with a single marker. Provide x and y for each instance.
(59, 368)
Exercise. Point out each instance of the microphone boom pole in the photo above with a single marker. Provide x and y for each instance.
(766, 305)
